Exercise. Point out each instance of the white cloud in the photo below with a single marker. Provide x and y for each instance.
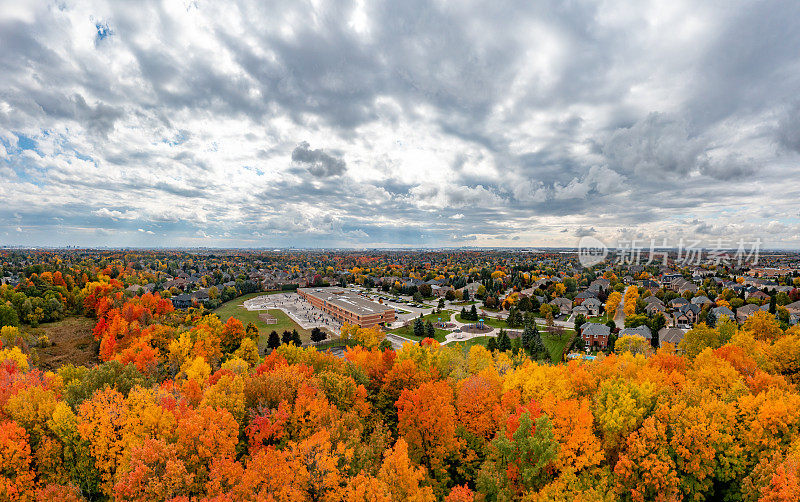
(619, 117)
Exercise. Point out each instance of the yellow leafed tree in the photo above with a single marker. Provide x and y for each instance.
(631, 296)
(366, 337)
(612, 304)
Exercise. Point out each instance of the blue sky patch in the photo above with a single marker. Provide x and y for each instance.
(103, 31)
(25, 143)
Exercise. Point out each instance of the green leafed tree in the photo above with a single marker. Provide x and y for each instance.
(274, 341)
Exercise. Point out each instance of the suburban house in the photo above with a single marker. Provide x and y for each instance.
(178, 282)
(472, 287)
(181, 301)
(599, 284)
(439, 291)
(678, 302)
(686, 315)
(701, 300)
(580, 309)
(648, 284)
(642, 331)
(200, 295)
(793, 308)
(653, 300)
(135, 288)
(585, 295)
(562, 304)
(719, 312)
(593, 305)
(654, 308)
(759, 295)
(745, 311)
(668, 280)
(670, 335)
(682, 286)
(595, 335)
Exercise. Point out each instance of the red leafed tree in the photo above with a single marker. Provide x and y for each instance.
(427, 421)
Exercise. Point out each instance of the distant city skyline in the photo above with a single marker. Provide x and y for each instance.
(398, 124)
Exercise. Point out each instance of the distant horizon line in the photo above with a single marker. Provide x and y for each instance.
(382, 248)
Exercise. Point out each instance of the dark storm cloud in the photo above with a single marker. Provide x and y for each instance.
(317, 162)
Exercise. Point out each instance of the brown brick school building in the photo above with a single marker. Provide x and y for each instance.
(348, 307)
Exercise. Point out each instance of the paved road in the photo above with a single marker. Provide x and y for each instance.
(619, 319)
(397, 341)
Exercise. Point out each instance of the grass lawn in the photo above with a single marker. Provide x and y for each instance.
(599, 320)
(234, 308)
(72, 342)
(467, 344)
(555, 345)
(408, 332)
(434, 317)
(489, 321)
(460, 304)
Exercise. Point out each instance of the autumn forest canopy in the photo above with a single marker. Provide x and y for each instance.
(183, 406)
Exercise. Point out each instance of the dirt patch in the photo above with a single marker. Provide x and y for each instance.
(72, 342)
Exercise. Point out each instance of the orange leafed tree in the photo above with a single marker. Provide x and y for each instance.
(427, 422)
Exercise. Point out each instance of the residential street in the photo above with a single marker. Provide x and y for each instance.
(619, 319)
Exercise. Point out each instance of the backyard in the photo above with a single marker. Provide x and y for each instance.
(555, 344)
(599, 320)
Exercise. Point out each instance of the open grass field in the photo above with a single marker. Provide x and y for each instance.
(235, 309)
(72, 342)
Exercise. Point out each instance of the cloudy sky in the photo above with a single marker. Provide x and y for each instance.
(404, 123)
